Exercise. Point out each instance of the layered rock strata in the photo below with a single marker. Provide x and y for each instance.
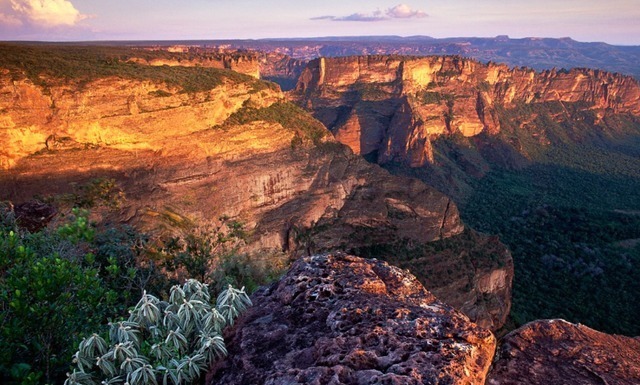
(178, 161)
(392, 108)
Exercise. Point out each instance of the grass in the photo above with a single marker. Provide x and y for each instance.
(286, 114)
(43, 63)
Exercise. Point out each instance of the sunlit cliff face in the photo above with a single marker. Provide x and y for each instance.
(396, 106)
(121, 114)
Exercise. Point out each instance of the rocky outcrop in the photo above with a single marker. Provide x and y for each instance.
(556, 351)
(242, 62)
(340, 319)
(479, 286)
(394, 107)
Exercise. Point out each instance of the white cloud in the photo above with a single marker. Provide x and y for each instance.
(400, 11)
(403, 11)
(47, 13)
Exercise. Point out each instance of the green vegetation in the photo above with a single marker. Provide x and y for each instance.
(169, 342)
(288, 115)
(433, 97)
(52, 289)
(562, 190)
(65, 282)
(438, 263)
(44, 63)
(569, 213)
(566, 230)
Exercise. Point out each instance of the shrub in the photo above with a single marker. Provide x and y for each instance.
(162, 342)
(46, 300)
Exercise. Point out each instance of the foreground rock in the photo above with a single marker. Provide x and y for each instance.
(556, 351)
(339, 319)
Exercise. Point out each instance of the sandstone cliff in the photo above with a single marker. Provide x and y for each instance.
(233, 149)
(393, 108)
(281, 69)
(556, 351)
(339, 319)
(166, 150)
(241, 62)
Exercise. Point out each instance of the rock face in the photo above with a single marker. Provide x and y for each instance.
(339, 319)
(242, 62)
(392, 108)
(556, 351)
(162, 145)
(168, 158)
(235, 150)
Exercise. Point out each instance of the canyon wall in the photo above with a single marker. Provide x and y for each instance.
(394, 107)
(184, 158)
(244, 63)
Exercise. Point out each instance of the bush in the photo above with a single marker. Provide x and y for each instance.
(46, 301)
(162, 342)
(56, 285)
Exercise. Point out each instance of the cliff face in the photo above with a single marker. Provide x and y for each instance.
(393, 108)
(235, 150)
(121, 114)
(546, 351)
(243, 63)
(339, 319)
(163, 147)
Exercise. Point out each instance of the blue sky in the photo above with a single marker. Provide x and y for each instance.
(613, 21)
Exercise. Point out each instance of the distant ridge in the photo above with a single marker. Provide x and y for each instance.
(538, 53)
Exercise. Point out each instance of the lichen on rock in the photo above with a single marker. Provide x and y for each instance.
(341, 319)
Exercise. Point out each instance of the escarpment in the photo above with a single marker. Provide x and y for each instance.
(393, 108)
(183, 155)
(340, 319)
(244, 63)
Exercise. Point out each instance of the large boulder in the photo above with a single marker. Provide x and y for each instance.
(559, 352)
(340, 319)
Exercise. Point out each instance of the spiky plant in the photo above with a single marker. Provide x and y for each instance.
(168, 343)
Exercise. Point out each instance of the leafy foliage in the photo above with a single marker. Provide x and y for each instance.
(571, 234)
(46, 301)
(168, 342)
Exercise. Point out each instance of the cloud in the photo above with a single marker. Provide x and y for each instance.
(400, 11)
(323, 18)
(46, 13)
(375, 16)
(403, 11)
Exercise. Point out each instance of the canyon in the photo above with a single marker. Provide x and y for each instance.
(237, 150)
(187, 142)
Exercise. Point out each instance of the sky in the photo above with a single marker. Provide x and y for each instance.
(610, 21)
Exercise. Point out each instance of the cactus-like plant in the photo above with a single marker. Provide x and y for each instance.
(168, 343)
